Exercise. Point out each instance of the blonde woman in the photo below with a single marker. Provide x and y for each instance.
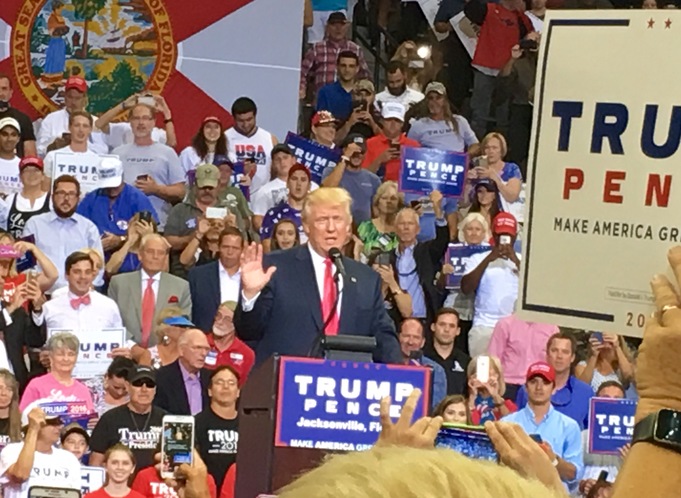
(8, 267)
(506, 176)
(378, 234)
(486, 399)
(170, 325)
(10, 417)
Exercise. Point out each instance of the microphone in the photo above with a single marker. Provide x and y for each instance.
(337, 258)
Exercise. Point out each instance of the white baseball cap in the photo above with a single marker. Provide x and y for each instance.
(110, 172)
(393, 110)
(46, 404)
(10, 122)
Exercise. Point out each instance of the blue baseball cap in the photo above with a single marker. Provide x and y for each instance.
(179, 321)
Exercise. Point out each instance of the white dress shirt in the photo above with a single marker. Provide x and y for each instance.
(229, 285)
(155, 284)
(101, 313)
(319, 270)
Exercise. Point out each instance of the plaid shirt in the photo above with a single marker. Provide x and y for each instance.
(320, 61)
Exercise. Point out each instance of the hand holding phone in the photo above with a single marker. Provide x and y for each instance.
(598, 336)
(482, 369)
(177, 443)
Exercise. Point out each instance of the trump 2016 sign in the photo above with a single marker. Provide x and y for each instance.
(603, 203)
(334, 405)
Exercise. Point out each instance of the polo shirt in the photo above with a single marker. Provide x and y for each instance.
(113, 217)
(559, 431)
(378, 145)
(333, 98)
(572, 400)
(454, 366)
(238, 356)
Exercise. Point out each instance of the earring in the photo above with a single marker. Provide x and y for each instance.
(165, 340)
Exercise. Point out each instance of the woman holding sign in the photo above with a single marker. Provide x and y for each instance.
(119, 463)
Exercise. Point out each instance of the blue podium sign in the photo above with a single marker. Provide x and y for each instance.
(334, 405)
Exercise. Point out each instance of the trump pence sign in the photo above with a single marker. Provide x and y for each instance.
(603, 199)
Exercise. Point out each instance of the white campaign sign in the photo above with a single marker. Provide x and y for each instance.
(82, 166)
(94, 356)
(91, 479)
(603, 201)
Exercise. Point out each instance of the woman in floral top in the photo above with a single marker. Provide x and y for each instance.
(378, 234)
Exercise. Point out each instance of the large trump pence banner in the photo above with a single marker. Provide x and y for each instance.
(605, 189)
(199, 56)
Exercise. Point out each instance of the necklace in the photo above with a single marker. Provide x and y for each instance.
(146, 422)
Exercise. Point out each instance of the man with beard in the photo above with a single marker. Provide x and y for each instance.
(249, 143)
(61, 232)
(113, 205)
(298, 186)
(80, 129)
(152, 167)
(396, 89)
(226, 349)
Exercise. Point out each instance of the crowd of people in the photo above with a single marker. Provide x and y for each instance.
(200, 252)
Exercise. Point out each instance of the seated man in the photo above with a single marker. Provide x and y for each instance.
(226, 349)
(560, 435)
(493, 277)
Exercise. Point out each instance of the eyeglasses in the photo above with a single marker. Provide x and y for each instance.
(144, 382)
(62, 193)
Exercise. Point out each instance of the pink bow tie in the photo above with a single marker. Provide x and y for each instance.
(75, 303)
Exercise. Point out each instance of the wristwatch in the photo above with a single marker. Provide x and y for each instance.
(661, 429)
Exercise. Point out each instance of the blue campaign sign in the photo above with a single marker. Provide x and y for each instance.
(316, 157)
(457, 255)
(334, 405)
(611, 425)
(423, 170)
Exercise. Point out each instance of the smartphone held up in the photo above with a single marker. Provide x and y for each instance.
(177, 443)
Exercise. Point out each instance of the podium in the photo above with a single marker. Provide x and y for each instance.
(295, 411)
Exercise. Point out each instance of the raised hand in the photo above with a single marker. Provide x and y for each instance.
(419, 435)
(254, 277)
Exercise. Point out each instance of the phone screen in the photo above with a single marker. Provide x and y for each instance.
(383, 259)
(473, 443)
(598, 336)
(505, 240)
(177, 443)
(482, 369)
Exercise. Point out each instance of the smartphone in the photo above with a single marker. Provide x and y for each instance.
(216, 213)
(142, 177)
(481, 162)
(482, 369)
(395, 148)
(415, 204)
(146, 216)
(383, 259)
(147, 100)
(31, 276)
(528, 44)
(536, 438)
(598, 336)
(177, 443)
(45, 492)
(471, 442)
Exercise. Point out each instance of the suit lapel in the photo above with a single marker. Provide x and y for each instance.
(308, 284)
(348, 302)
(214, 285)
(136, 294)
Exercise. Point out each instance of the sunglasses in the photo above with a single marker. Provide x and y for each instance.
(54, 421)
(144, 382)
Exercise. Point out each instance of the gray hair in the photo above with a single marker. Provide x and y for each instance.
(407, 211)
(63, 340)
(470, 218)
(153, 236)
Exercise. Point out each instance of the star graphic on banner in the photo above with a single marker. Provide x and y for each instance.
(668, 24)
(651, 22)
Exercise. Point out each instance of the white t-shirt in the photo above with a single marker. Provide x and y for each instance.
(59, 469)
(498, 289)
(257, 147)
(271, 194)
(408, 98)
(189, 159)
(9, 176)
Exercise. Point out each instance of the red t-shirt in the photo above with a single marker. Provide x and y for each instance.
(475, 413)
(498, 34)
(238, 356)
(228, 484)
(100, 493)
(377, 145)
(150, 485)
(10, 287)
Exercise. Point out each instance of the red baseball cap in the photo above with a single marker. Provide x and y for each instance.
(76, 82)
(505, 223)
(541, 369)
(322, 117)
(31, 161)
(212, 119)
(299, 167)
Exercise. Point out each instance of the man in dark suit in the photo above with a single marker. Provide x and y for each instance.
(285, 300)
(215, 283)
(182, 386)
(416, 263)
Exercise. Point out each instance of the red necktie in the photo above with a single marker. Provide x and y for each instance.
(148, 307)
(329, 300)
(75, 303)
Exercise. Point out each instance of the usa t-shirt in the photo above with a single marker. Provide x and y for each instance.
(59, 469)
(217, 440)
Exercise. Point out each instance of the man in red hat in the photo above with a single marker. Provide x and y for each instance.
(493, 277)
(56, 124)
(558, 434)
(324, 128)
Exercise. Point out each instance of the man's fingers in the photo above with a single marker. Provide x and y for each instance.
(386, 423)
(499, 441)
(664, 294)
(408, 410)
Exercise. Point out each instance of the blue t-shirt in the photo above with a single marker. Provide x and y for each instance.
(572, 400)
(362, 186)
(427, 220)
(511, 170)
(282, 211)
(336, 100)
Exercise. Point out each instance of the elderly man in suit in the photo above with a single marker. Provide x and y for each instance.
(217, 282)
(141, 295)
(187, 371)
(285, 302)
